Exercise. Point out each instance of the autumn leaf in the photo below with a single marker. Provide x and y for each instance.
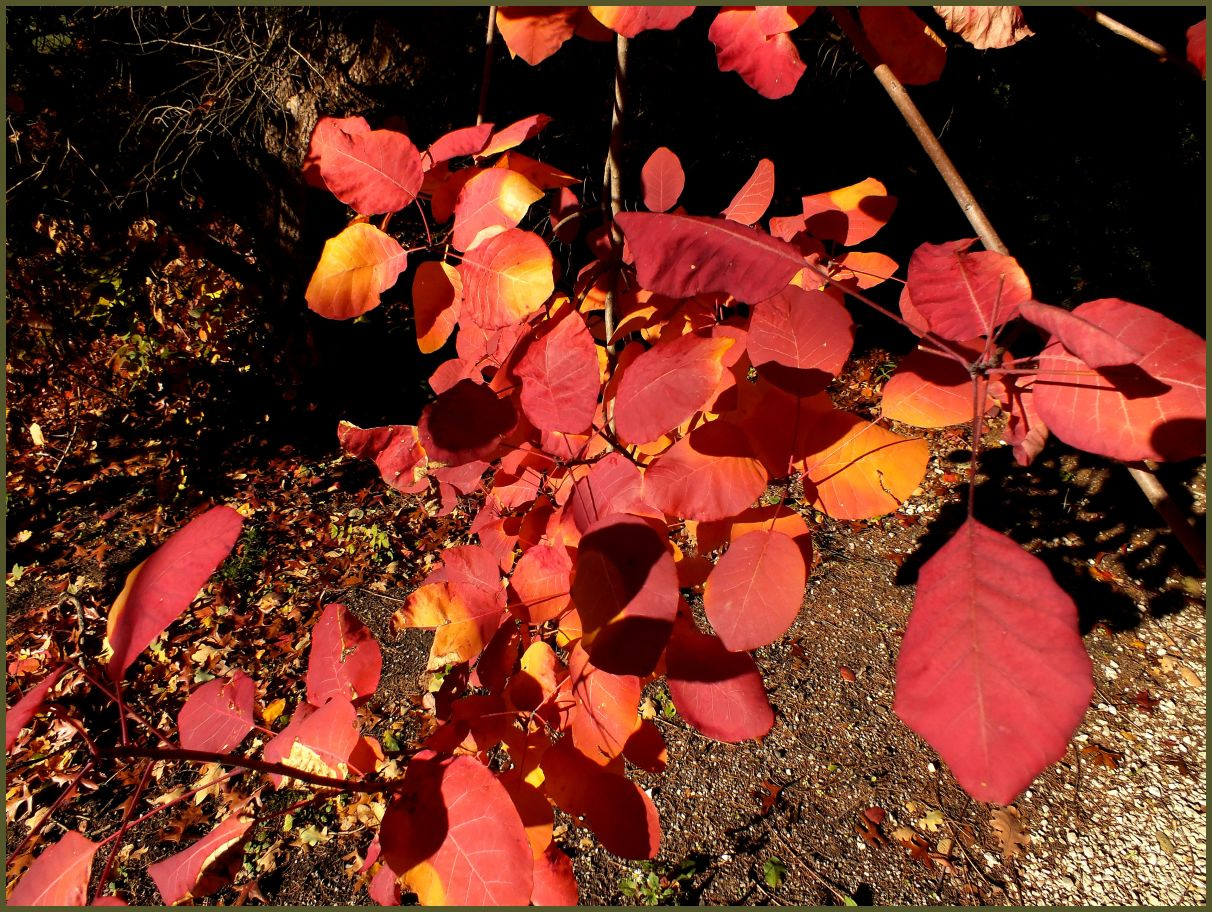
(356, 267)
(1008, 828)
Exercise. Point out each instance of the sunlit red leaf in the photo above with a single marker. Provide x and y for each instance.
(929, 390)
(622, 817)
(554, 883)
(560, 377)
(465, 423)
(345, 660)
(768, 63)
(912, 50)
(455, 836)
(534, 33)
(1092, 344)
(515, 134)
(541, 174)
(318, 742)
(773, 518)
(753, 199)
(986, 27)
(370, 170)
(667, 384)
(625, 589)
(463, 617)
(541, 580)
(848, 215)
(681, 256)
(614, 484)
(217, 715)
(1197, 47)
(709, 474)
(755, 591)
(865, 269)
(160, 588)
(799, 340)
(1025, 430)
(629, 21)
(19, 714)
(861, 470)
(457, 144)
(992, 671)
(606, 713)
(1153, 409)
(496, 197)
(506, 279)
(396, 450)
(719, 692)
(204, 867)
(326, 132)
(437, 291)
(663, 179)
(59, 876)
(356, 267)
(963, 294)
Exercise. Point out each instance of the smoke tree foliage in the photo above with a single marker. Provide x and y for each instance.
(620, 430)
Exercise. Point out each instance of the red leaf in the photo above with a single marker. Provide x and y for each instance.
(560, 378)
(455, 836)
(964, 294)
(457, 144)
(59, 876)
(497, 197)
(506, 278)
(515, 134)
(992, 671)
(554, 883)
(1154, 409)
(799, 340)
(327, 131)
(202, 868)
(912, 50)
(753, 199)
(19, 714)
(1092, 344)
(625, 589)
(542, 581)
(437, 292)
(667, 384)
(929, 390)
(319, 742)
(614, 484)
(662, 179)
(770, 64)
(849, 215)
(464, 617)
(682, 255)
(534, 33)
(471, 565)
(395, 449)
(217, 715)
(986, 27)
(345, 660)
(384, 887)
(622, 817)
(370, 170)
(162, 587)
(1197, 47)
(465, 423)
(1025, 430)
(755, 591)
(709, 474)
(606, 713)
(718, 692)
(356, 267)
(629, 21)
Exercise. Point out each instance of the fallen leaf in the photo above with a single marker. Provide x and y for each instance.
(933, 821)
(1008, 828)
(1101, 756)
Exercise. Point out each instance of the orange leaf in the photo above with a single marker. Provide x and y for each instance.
(861, 470)
(506, 278)
(356, 267)
(437, 291)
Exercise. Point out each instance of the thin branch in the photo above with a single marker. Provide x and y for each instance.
(1125, 32)
(1193, 543)
(59, 802)
(122, 829)
(612, 198)
(486, 79)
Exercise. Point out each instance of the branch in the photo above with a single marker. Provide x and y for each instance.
(1193, 543)
(486, 79)
(612, 198)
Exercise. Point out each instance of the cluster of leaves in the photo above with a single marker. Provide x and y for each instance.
(621, 430)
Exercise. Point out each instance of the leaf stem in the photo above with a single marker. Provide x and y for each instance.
(122, 828)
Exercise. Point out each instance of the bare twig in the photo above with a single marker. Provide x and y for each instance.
(1187, 536)
(612, 197)
(486, 79)
(1125, 32)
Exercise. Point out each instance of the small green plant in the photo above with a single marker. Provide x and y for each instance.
(774, 872)
(246, 562)
(652, 884)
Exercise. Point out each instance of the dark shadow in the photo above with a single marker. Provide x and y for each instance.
(1181, 438)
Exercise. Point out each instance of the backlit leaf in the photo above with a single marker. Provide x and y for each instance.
(372, 171)
(217, 715)
(1153, 409)
(912, 50)
(457, 144)
(437, 292)
(465, 423)
(506, 279)
(345, 660)
(709, 474)
(963, 294)
(59, 876)
(396, 450)
(681, 256)
(753, 199)
(1197, 47)
(769, 64)
(625, 590)
(719, 692)
(560, 378)
(667, 384)
(986, 27)
(496, 197)
(534, 33)
(456, 837)
(849, 215)
(356, 267)
(20, 713)
(205, 866)
(319, 742)
(662, 179)
(542, 580)
(464, 618)
(1092, 344)
(799, 340)
(160, 588)
(606, 713)
(755, 591)
(929, 390)
(629, 21)
(861, 470)
(992, 671)
(326, 132)
(515, 134)
(613, 484)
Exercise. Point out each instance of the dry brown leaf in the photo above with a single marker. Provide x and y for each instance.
(1008, 828)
